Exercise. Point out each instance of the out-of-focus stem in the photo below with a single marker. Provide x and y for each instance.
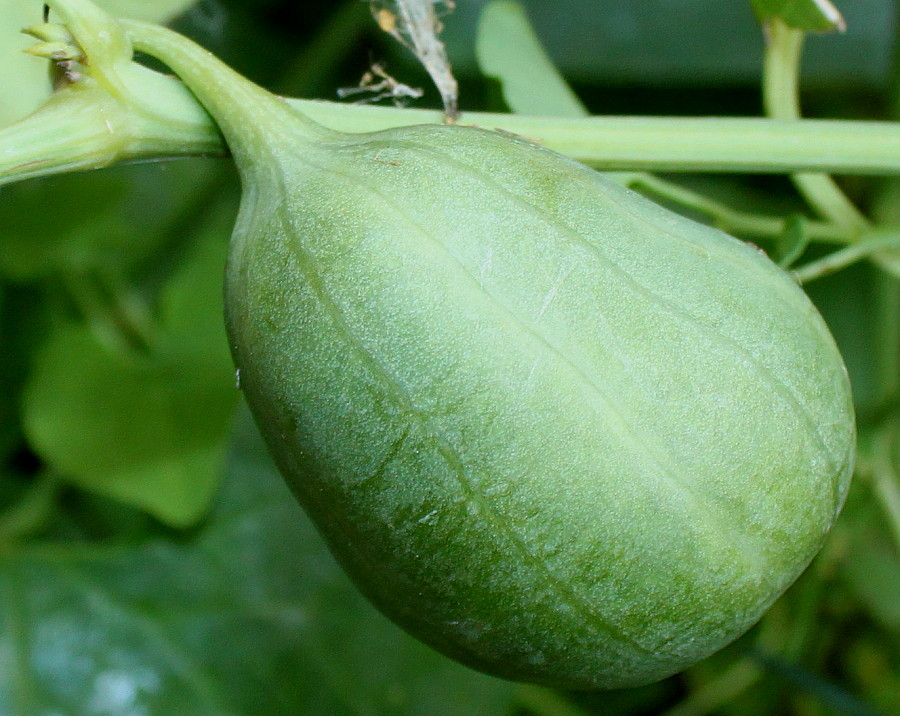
(726, 218)
(781, 73)
(834, 262)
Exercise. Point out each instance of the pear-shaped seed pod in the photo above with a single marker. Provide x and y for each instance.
(557, 432)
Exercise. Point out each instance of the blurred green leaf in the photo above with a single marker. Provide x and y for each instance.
(871, 567)
(886, 210)
(870, 663)
(884, 475)
(249, 616)
(26, 81)
(837, 699)
(873, 573)
(9, 411)
(814, 15)
(792, 242)
(860, 306)
(508, 50)
(146, 428)
(99, 220)
(689, 43)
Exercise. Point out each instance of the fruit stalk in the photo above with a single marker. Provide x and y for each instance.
(221, 90)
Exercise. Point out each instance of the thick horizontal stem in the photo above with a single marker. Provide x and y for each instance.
(678, 144)
(658, 144)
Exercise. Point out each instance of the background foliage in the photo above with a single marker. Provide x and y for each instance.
(152, 561)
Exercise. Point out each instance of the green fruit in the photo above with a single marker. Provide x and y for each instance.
(553, 430)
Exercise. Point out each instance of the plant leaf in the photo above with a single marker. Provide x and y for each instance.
(147, 429)
(508, 49)
(867, 528)
(106, 219)
(249, 616)
(618, 44)
(811, 15)
(792, 242)
(831, 695)
(860, 306)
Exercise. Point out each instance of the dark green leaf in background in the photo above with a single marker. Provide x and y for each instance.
(814, 15)
(148, 427)
(886, 209)
(23, 321)
(689, 43)
(868, 533)
(251, 616)
(792, 242)
(106, 220)
(873, 573)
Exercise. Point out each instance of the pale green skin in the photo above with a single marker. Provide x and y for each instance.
(557, 432)
(553, 430)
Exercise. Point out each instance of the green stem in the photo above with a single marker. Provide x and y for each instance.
(70, 132)
(252, 120)
(663, 144)
(676, 144)
(726, 218)
(867, 246)
(84, 127)
(886, 478)
(712, 144)
(781, 74)
(610, 143)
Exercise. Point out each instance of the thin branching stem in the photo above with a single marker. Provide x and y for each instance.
(834, 262)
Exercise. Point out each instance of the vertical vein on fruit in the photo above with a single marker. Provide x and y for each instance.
(783, 390)
(657, 459)
(392, 452)
(637, 445)
(432, 432)
(629, 438)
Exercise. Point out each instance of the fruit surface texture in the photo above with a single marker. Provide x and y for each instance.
(554, 430)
